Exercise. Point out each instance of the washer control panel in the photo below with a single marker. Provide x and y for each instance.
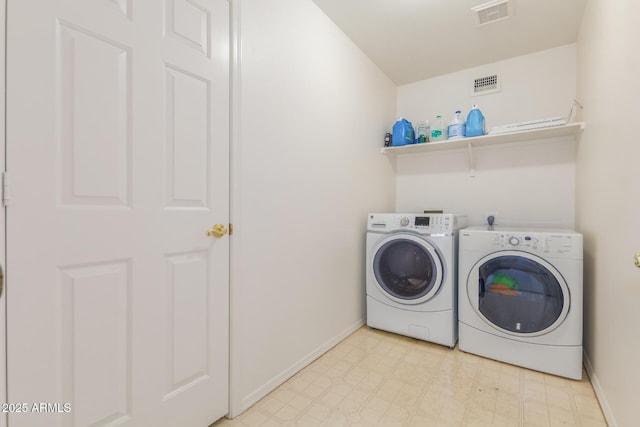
(421, 223)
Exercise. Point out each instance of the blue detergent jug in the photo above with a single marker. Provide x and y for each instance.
(403, 133)
(475, 122)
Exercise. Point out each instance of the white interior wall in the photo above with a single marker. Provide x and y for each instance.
(607, 203)
(310, 118)
(533, 86)
(524, 183)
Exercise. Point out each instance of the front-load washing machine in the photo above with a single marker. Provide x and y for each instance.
(520, 297)
(411, 275)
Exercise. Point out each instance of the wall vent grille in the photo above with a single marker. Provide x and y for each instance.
(485, 85)
(493, 11)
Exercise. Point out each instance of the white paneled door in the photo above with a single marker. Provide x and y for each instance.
(118, 162)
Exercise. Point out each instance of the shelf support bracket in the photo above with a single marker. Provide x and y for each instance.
(472, 160)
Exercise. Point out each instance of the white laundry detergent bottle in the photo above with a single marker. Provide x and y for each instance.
(457, 126)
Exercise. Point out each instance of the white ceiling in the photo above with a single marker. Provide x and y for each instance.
(412, 40)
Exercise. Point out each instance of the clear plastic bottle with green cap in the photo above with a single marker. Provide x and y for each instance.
(439, 129)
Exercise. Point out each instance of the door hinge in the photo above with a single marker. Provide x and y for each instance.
(5, 188)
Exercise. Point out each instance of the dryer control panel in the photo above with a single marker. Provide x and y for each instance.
(542, 244)
(559, 243)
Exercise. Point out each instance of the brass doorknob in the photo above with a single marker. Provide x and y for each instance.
(217, 231)
(636, 259)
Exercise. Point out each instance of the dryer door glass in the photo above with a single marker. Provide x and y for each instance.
(519, 294)
(405, 269)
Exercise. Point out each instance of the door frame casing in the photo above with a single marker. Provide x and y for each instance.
(3, 259)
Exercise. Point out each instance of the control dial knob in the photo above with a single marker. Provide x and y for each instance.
(404, 221)
(514, 241)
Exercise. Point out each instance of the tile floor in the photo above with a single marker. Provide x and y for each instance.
(375, 378)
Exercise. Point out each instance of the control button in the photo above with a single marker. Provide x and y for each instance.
(404, 221)
(514, 241)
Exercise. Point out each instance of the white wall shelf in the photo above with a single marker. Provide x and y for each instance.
(569, 130)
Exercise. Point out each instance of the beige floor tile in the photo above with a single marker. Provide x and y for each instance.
(319, 411)
(253, 418)
(407, 400)
(453, 413)
(509, 408)
(479, 415)
(561, 423)
(298, 385)
(558, 391)
(592, 422)
(390, 422)
(422, 421)
(502, 420)
(358, 396)
(314, 391)
(287, 413)
(307, 421)
(588, 406)
(224, 422)
(387, 393)
(485, 399)
(349, 407)
(375, 378)
(536, 422)
(370, 417)
(561, 416)
(336, 419)
(582, 387)
(271, 405)
(323, 381)
(272, 423)
(533, 388)
(300, 402)
(378, 406)
(509, 383)
(429, 405)
(332, 399)
(398, 412)
(284, 394)
(355, 356)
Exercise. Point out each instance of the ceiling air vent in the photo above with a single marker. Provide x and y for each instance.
(485, 85)
(493, 11)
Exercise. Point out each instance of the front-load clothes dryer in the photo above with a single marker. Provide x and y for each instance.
(411, 275)
(520, 297)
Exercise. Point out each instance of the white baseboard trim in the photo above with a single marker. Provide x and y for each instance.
(283, 376)
(597, 388)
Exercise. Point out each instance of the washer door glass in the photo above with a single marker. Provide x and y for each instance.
(407, 269)
(519, 294)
